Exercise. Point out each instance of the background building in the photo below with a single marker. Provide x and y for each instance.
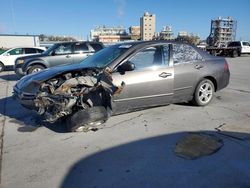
(135, 32)
(9, 41)
(108, 34)
(182, 34)
(166, 33)
(147, 24)
(222, 31)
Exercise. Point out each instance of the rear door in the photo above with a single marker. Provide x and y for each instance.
(150, 83)
(188, 66)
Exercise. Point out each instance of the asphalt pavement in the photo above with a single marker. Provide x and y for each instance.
(130, 150)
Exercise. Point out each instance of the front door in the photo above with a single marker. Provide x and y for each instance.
(149, 84)
(61, 55)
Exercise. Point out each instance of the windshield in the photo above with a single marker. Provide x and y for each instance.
(2, 51)
(47, 52)
(106, 56)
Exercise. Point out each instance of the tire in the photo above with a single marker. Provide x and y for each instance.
(234, 53)
(203, 93)
(87, 118)
(35, 68)
(1, 67)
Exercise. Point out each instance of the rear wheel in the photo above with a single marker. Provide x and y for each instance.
(1, 67)
(203, 93)
(35, 68)
(88, 118)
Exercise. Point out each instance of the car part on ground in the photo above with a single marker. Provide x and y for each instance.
(88, 118)
(74, 95)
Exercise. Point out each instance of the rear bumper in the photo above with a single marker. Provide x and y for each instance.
(223, 81)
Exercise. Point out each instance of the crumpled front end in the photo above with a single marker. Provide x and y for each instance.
(71, 92)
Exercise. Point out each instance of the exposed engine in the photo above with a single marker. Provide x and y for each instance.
(67, 93)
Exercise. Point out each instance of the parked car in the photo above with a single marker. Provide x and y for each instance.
(7, 58)
(58, 54)
(122, 78)
(243, 45)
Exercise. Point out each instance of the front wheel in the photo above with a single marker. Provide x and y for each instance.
(35, 68)
(88, 118)
(203, 93)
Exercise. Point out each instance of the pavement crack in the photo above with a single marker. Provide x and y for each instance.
(231, 109)
(2, 130)
(240, 90)
(124, 121)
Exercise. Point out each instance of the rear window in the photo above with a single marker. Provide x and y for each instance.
(232, 44)
(183, 53)
(96, 46)
(39, 51)
(30, 50)
(246, 44)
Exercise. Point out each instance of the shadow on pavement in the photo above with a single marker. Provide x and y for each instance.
(9, 77)
(28, 120)
(152, 163)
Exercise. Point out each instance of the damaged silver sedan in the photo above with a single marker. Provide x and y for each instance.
(123, 78)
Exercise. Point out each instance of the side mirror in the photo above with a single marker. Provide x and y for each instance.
(127, 66)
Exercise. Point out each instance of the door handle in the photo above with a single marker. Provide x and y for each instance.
(198, 66)
(68, 56)
(165, 74)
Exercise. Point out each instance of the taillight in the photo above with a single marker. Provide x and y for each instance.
(226, 67)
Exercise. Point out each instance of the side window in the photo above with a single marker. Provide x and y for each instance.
(63, 49)
(80, 48)
(39, 51)
(30, 50)
(17, 51)
(152, 56)
(96, 46)
(246, 44)
(184, 54)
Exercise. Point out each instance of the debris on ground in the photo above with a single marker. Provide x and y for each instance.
(196, 145)
(234, 131)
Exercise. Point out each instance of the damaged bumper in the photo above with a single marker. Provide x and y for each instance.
(69, 93)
